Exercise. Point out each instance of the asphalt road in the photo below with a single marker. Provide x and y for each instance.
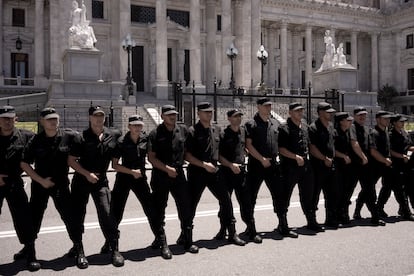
(359, 249)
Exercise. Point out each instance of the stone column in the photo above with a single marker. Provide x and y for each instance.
(195, 47)
(211, 18)
(256, 32)
(295, 68)
(226, 39)
(374, 62)
(354, 49)
(271, 62)
(283, 56)
(397, 59)
(309, 56)
(161, 40)
(239, 43)
(39, 43)
(1, 43)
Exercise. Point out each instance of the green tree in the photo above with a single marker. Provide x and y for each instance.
(385, 95)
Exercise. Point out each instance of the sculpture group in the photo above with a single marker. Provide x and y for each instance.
(81, 35)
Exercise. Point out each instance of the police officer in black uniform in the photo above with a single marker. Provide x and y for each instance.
(49, 152)
(131, 173)
(383, 166)
(400, 147)
(295, 168)
(344, 166)
(261, 143)
(89, 157)
(360, 142)
(322, 149)
(202, 152)
(232, 172)
(12, 143)
(166, 147)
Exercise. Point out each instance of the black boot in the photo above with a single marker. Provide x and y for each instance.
(80, 259)
(344, 216)
(165, 250)
(116, 257)
(312, 223)
(405, 212)
(22, 254)
(381, 213)
(180, 239)
(252, 233)
(221, 235)
(358, 207)
(188, 240)
(284, 229)
(331, 221)
(32, 263)
(106, 248)
(233, 237)
(72, 251)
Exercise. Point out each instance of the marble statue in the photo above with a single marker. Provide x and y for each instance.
(81, 35)
(341, 58)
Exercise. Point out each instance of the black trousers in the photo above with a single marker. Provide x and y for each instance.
(125, 183)
(346, 175)
(162, 185)
(409, 186)
(326, 181)
(18, 203)
(101, 195)
(237, 183)
(368, 194)
(61, 198)
(199, 179)
(290, 175)
(393, 179)
(256, 174)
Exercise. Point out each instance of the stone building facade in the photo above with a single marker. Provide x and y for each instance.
(187, 40)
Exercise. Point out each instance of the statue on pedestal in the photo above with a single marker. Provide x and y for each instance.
(81, 35)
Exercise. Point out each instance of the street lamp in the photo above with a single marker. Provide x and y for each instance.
(232, 53)
(127, 45)
(262, 55)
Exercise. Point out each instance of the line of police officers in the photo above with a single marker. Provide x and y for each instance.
(329, 157)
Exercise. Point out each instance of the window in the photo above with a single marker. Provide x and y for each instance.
(187, 75)
(20, 65)
(404, 109)
(97, 9)
(410, 41)
(303, 44)
(376, 4)
(179, 17)
(18, 19)
(142, 14)
(410, 79)
(303, 79)
(219, 23)
(348, 48)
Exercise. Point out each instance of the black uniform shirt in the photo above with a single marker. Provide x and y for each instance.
(343, 144)
(168, 145)
(232, 145)
(380, 141)
(323, 138)
(295, 139)
(360, 133)
(399, 142)
(203, 143)
(263, 135)
(95, 155)
(132, 154)
(50, 154)
(11, 150)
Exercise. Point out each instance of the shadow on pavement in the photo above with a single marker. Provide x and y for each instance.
(13, 268)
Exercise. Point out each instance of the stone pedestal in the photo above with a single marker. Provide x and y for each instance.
(82, 65)
(342, 79)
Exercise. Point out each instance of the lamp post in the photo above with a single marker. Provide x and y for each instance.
(232, 53)
(262, 55)
(127, 45)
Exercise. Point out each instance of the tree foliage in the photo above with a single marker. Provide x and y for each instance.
(385, 95)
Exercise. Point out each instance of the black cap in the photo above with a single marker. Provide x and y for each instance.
(339, 116)
(359, 110)
(263, 101)
(49, 113)
(325, 107)
(135, 120)
(204, 106)
(383, 114)
(234, 112)
(94, 110)
(168, 109)
(398, 118)
(295, 106)
(7, 111)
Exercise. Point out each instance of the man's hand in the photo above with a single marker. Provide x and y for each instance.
(2, 177)
(172, 172)
(235, 168)
(266, 162)
(136, 173)
(47, 183)
(299, 160)
(92, 178)
(209, 167)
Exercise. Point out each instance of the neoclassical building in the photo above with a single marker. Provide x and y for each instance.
(189, 41)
